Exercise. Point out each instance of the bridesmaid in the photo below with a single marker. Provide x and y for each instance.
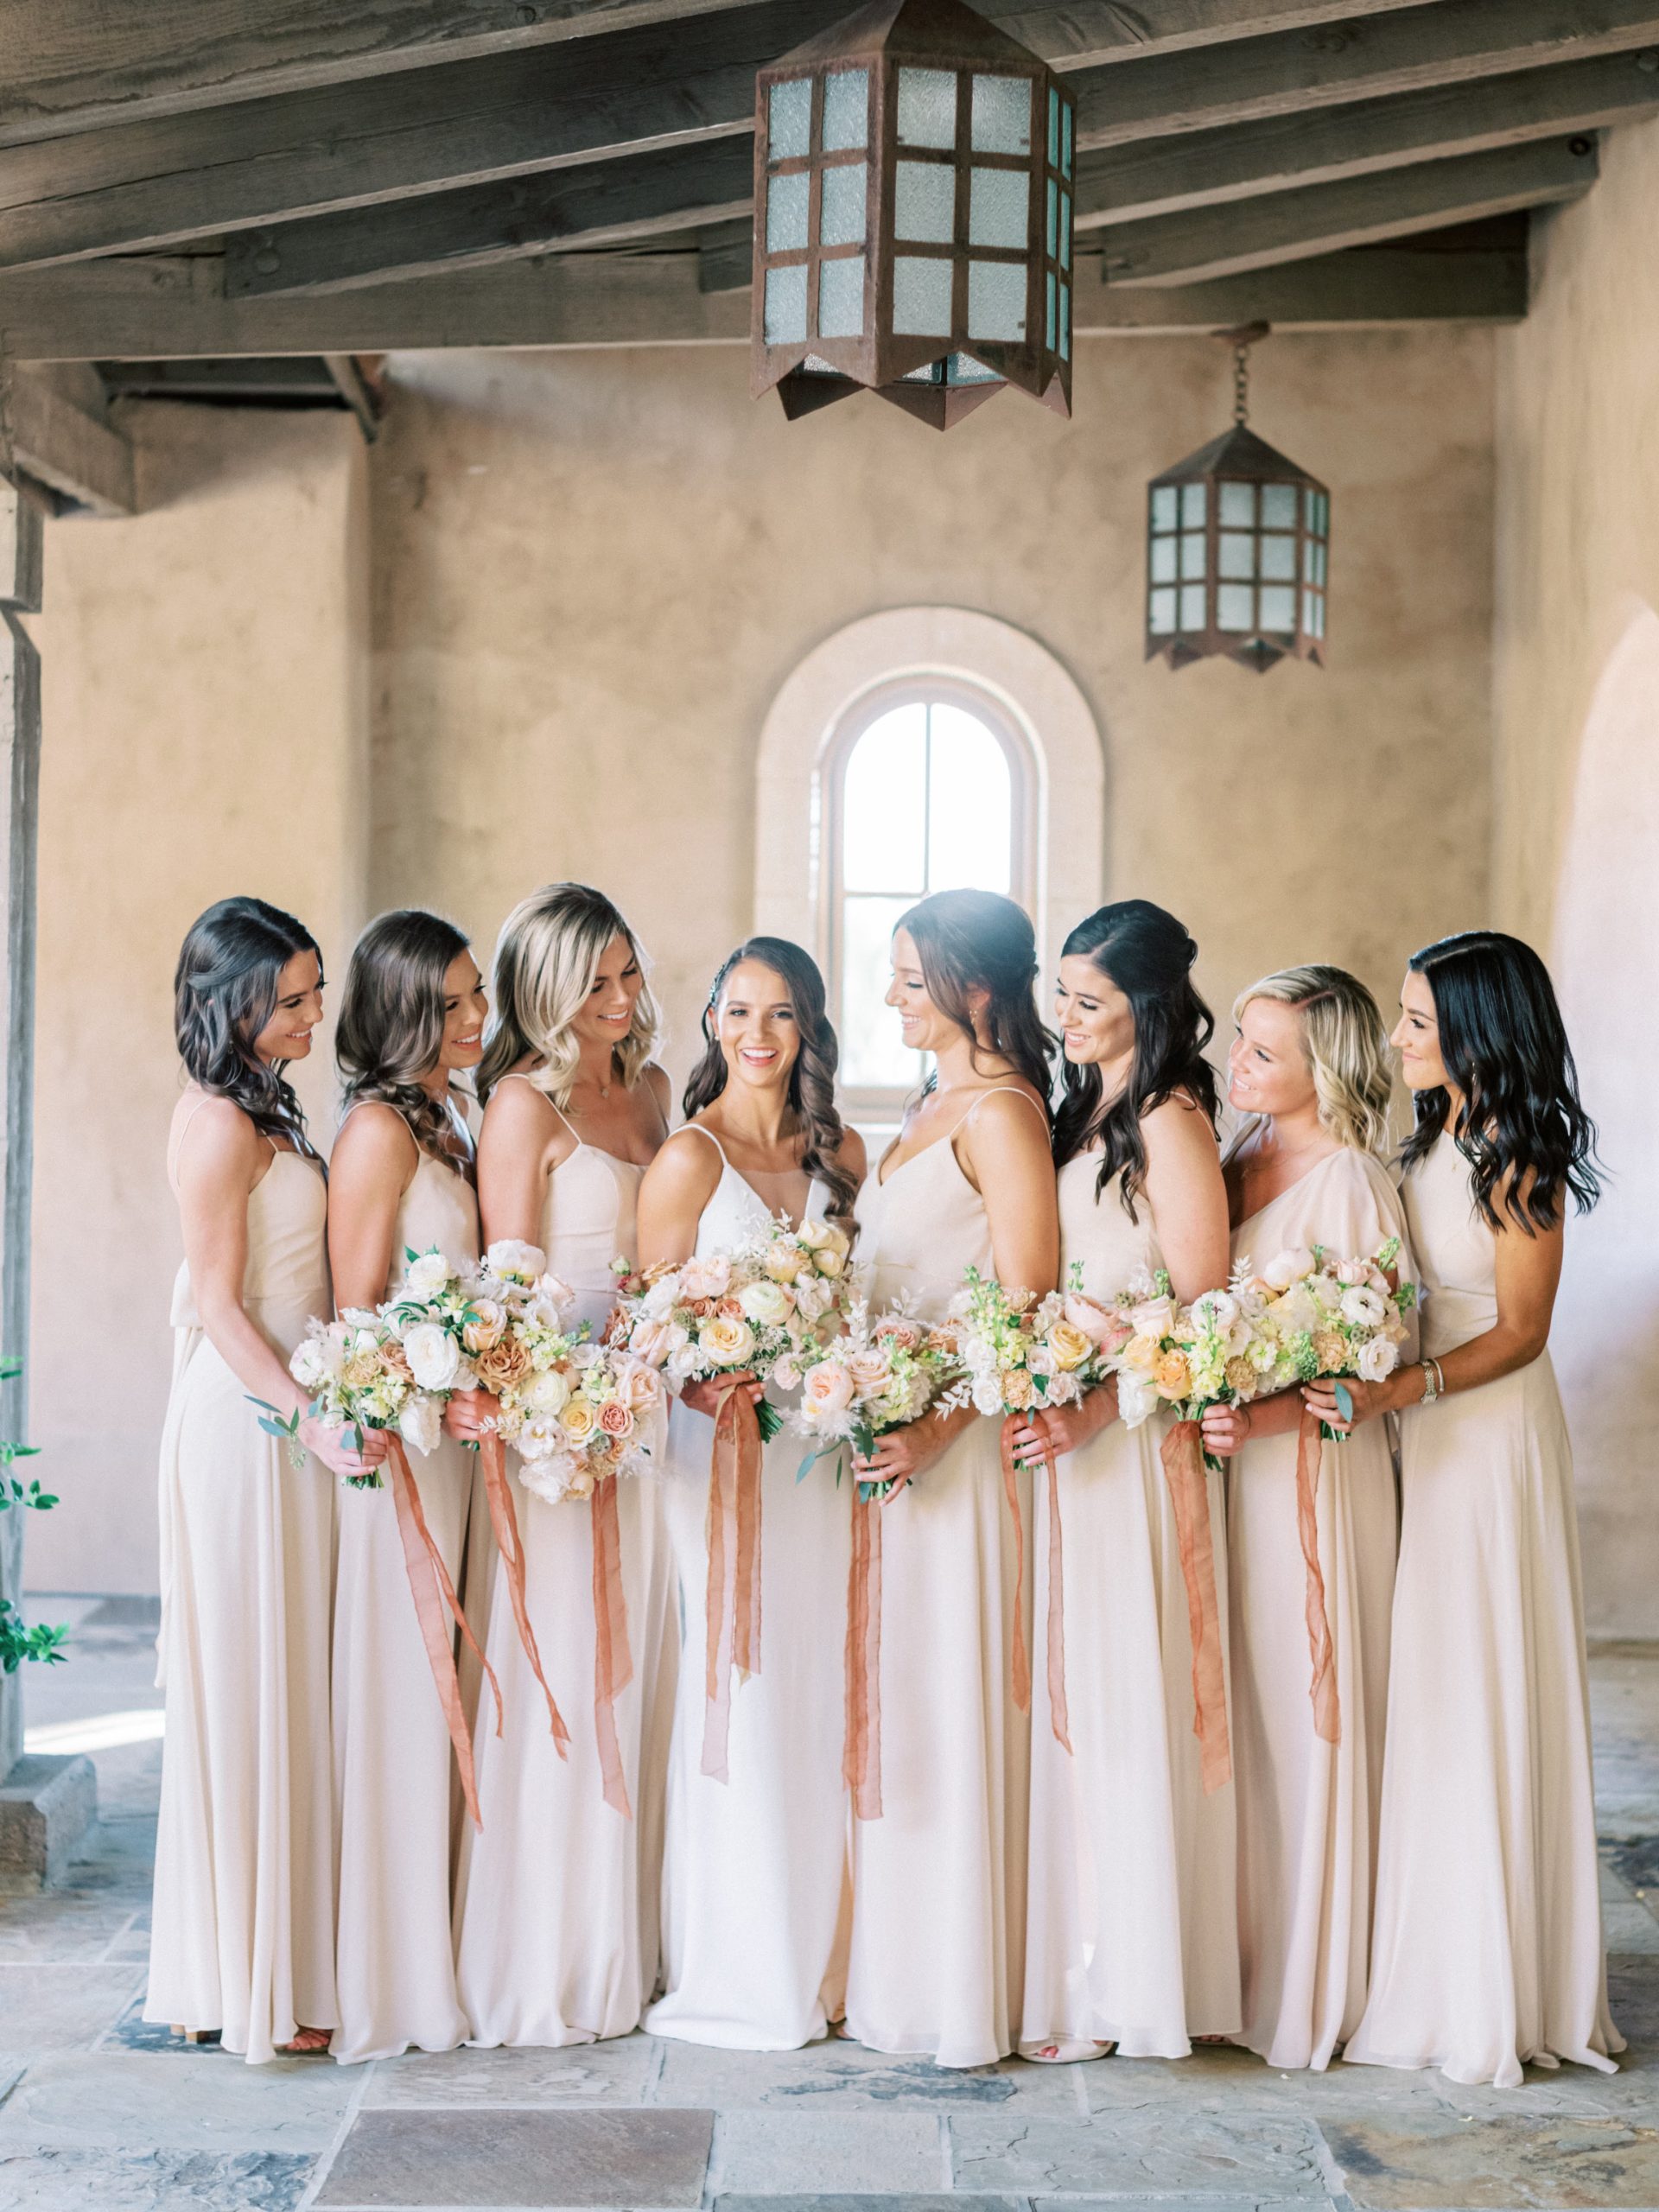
(410, 1019)
(937, 1958)
(755, 1867)
(1131, 1933)
(245, 1898)
(1488, 1953)
(1309, 1067)
(555, 1910)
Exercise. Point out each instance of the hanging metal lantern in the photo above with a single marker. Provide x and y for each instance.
(1237, 547)
(912, 226)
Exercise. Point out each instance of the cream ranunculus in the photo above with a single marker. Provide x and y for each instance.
(768, 1302)
(549, 1393)
(728, 1343)
(433, 1356)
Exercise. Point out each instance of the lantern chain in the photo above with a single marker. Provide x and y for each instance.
(1241, 384)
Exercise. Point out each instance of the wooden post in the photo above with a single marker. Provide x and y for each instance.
(20, 759)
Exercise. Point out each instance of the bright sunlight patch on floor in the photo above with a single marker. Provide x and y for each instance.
(100, 1731)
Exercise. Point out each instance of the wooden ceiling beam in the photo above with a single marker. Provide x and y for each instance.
(1204, 243)
(258, 163)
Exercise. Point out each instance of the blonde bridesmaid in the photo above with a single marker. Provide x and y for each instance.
(756, 1860)
(555, 1912)
(244, 1925)
(411, 1020)
(1131, 1936)
(937, 1957)
(1309, 1068)
(1488, 1954)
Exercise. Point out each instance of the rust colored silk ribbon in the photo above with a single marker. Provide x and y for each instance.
(732, 1631)
(1011, 1492)
(613, 1660)
(1058, 1712)
(505, 1521)
(1189, 1497)
(432, 1590)
(861, 1763)
(1327, 1715)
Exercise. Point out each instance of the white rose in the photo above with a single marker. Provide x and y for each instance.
(548, 1393)
(539, 1436)
(1326, 1291)
(767, 1302)
(1363, 1305)
(786, 1372)
(1154, 1317)
(987, 1395)
(1377, 1359)
(309, 1366)
(428, 1275)
(433, 1356)
(1137, 1398)
(514, 1260)
(726, 1343)
(1285, 1268)
(421, 1423)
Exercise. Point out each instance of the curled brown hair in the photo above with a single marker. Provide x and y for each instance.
(390, 1027)
(978, 940)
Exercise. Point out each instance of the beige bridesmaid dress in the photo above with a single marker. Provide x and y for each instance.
(937, 1958)
(1131, 1933)
(1307, 1809)
(394, 1960)
(244, 1924)
(1487, 1952)
(557, 1937)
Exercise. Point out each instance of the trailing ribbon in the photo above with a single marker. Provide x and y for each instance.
(1328, 1714)
(734, 1535)
(1189, 1498)
(613, 1660)
(1011, 1492)
(505, 1520)
(432, 1590)
(860, 1761)
(1058, 1712)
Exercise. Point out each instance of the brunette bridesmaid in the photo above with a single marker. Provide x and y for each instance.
(1488, 1954)
(243, 1929)
(1131, 1926)
(555, 1912)
(411, 1019)
(755, 1867)
(938, 1955)
(1309, 1067)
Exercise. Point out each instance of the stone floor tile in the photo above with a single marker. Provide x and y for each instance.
(790, 2154)
(1163, 2204)
(46, 2008)
(1520, 2162)
(132, 2031)
(1631, 1929)
(888, 2200)
(478, 2159)
(847, 2075)
(132, 2099)
(63, 1925)
(1153, 2149)
(613, 2073)
(1635, 1859)
(151, 2181)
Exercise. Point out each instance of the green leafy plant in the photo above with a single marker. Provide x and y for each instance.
(18, 1641)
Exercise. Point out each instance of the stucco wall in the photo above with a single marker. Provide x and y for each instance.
(1576, 777)
(591, 573)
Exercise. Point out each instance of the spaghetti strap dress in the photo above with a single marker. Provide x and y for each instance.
(244, 1925)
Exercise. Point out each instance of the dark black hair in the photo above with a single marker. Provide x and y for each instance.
(978, 940)
(1520, 1126)
(390, 1027)
(223, 993)
(1149, 955)
(812, 1078)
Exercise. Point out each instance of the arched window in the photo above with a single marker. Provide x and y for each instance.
(929, 787)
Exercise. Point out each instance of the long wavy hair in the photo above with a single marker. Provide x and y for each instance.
(390, 1027)
(1148, 955)
(1521, 1125)
(812, 1078)
(225, 991)
(977, 940)
(546, 958)
(1345, 1040)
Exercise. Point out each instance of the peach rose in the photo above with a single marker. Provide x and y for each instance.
(615, 1420)
(1140, 1353)
(488, 1319)
(827, 1390)
(1172, 1377)
(502, 1366)
(1069, 1345)
(639, 1391)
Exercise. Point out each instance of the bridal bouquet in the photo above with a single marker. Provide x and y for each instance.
(359, 1378)
(1022, 1353)
(1211, 1352)
(878, 1374)
(766, 1308)
(1324, 1315)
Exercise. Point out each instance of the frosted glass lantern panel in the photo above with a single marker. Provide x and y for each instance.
(1053, 232)
(1314, 613)
(921, 296)
(872, 1051)
(789, 120)
(1193, 554)
(786, 305)
(1163, 560)
(1278, 606)
(927, 108)
(841, 208)
(1236, 555)
(963, 369)
(999, 207)
(1316, 512)
(1161, 618)
(1052, 323)
(996, 300)
(1193, 616)
(1237, 506)
(1002, 115)
(841, 297)
(787, 205)
(884, 806)
(924, 201)
(1235, 606)
(1192, 505)
(846, 111)
(1065, 322)
(1313, 560)
(1279, 557)
(970, 805)
(1065, 229)
(1066, 115)
(1278, 507)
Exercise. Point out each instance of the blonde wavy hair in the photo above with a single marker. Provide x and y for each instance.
(545, 960)
(1346, 1041)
